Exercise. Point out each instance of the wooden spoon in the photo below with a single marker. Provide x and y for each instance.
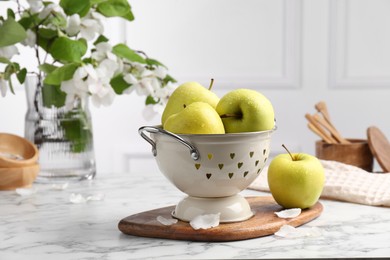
(331, 129)
(328, 138)
(323, 109)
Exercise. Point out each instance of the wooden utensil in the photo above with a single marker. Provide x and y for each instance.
(12, 178)
(380, 147)
(323, 134)
(316, 131)
(331, 129)
(263, 223)
(323, 109)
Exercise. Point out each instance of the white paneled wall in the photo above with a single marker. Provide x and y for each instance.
(296, 52)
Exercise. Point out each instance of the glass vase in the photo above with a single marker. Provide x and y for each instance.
(62, 134)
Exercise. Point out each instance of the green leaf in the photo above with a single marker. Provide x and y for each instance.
(61, 74)
(93, 2)
(77, 130)
(29, 21)
(121, 50)
(11, 87)
(9, 70)
(47, 33)
(21, 75)
(11, 32)
(167, 79)
(80, 7)
(67, 50)
(52, 96)
(119, 8)
(5, 60)
(150, 100)
(153, 62)
(10, 13)
(47, 68)
(56, 19)
(100, 39)
(119, 84)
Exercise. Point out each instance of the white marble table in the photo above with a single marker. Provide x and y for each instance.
(47, 225)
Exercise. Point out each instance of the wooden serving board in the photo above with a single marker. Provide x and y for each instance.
(263, 223)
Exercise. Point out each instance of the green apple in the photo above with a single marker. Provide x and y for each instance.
(245, 110)
(196, 118)
(186, 94)
(296, 180)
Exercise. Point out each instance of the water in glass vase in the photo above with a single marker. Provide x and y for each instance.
(63, 135)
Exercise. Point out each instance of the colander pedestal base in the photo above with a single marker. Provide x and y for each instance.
(232, 209)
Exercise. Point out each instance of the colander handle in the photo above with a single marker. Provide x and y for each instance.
(156, 130)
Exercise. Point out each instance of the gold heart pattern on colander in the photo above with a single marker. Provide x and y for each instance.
(242, 170)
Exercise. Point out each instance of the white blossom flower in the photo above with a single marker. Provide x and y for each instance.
(8, 51)
(160, 72)
(90, 81)
(75, 87)
(91, 25)
(47, 10)
(30, 39)
(104, 50)
(73, 25)
(35, 6)
(3, 87)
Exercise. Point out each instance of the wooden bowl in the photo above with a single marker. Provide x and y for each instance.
(18, 177)
(357, 153)
(12, 147)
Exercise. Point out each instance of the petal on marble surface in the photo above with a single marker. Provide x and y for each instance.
(77, 198)
(166, 221)
(96, 197)
(288, 231)
(62, 186)
(205, 221)
(289, 213)
(26, 191)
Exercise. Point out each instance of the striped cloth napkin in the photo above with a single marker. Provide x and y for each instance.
(346, 183)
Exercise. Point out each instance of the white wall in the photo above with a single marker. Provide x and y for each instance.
(296, 52)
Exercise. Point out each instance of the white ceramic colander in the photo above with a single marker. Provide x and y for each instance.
(211, 169)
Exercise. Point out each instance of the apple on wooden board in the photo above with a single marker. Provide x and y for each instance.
(196, 118)
(245, 110)
(186, 94)
(296, 180)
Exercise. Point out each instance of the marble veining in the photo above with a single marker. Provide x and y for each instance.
(46, 225)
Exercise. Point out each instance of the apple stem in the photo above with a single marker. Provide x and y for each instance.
(292, 157)
(211, 84)
(231, 115)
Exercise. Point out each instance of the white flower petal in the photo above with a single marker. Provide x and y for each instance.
(8, 51)
(205, 221)
(77, 198)
(35, 6)
(289, 213)
(60, 186)
(3, 87)
(166, 221)
(25, 191)
(73, 26)
(129, 78)
(95, 197)
(288, 231)
(160, 72)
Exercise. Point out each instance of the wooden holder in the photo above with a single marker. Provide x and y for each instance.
(356, 153)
